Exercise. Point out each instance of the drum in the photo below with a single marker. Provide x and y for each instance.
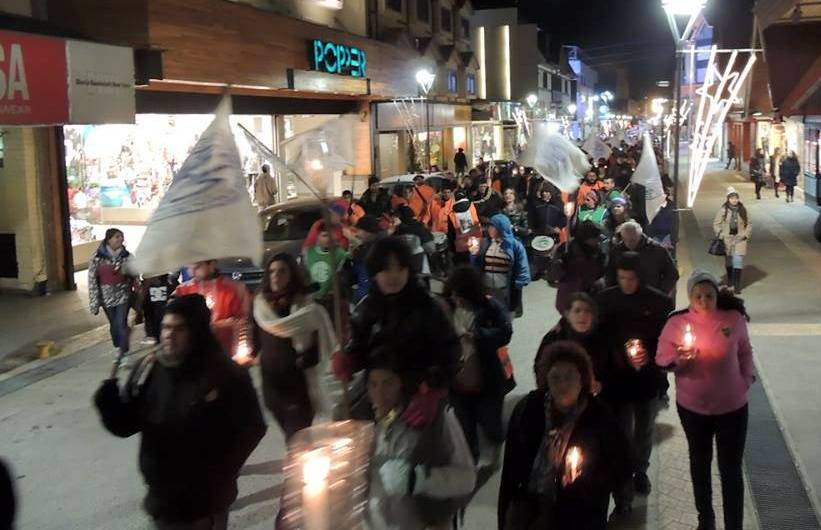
(542, 245)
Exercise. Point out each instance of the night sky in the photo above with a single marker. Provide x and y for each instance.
(622, 34)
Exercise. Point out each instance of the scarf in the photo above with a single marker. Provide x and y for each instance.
(304, 319)
(549, 461)
(733, 220)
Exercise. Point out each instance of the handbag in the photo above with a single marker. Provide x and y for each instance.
(717, 246)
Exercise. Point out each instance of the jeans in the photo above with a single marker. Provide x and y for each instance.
(638, 420)
(790, 190)
(734, 262)
(217, 521)
(475, 410)
(730, 433)
(118, 325)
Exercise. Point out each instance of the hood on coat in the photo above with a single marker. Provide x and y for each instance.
(502, 224)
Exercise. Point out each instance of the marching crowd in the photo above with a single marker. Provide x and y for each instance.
(431, 368)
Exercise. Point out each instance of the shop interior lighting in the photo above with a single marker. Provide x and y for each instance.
(717, 93)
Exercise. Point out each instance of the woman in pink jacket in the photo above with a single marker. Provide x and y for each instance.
(708, 348)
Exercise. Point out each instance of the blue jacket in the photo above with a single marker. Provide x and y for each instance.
(520, 269)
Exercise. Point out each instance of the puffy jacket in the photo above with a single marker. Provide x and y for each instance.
(519, 267)
(606, 464)
(623, 317)
(199, 423)
(108, 285)
(790, 169)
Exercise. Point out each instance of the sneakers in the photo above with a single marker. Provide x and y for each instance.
(641, 484)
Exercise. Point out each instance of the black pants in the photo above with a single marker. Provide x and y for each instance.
(153, 312)
(730, 433)
(292, 408)
(759, 183)
(479, 410)
(638, 420)
(790, 191)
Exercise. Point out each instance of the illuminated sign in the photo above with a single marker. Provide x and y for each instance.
(338, 59)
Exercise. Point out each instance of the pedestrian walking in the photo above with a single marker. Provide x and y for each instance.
(464, 228)
(483, 326)
(775, 169)
(154, 293)
(707, 346)
(8, 500)
(368, 232)
(199, 419)
(419, 477)
(790, 169)
(265, 188)
(577, 264)
(631, 317)
(288, 331)
(757, 171)
(375, 201)
(398, 309)
(732, 224)
(657, 269)
(516, 214)
(503, 261)
(732, 155)
(488, 201)
(460, 161)
(591, 209)
(110, 288)
(564, 452)
(420, 199)
(227, 299)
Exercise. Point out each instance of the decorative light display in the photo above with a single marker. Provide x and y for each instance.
(716, 98)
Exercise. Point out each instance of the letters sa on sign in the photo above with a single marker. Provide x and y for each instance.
(340, 59)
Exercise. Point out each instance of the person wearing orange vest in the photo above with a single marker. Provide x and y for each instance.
(420, 199)
(590, 183)
(464, 229)
(440, 208)
(228, 301)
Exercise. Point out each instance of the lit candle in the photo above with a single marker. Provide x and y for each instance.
(633, 347)
(209, 301)
(315, 471)
(689, 338)
(574, 463)
(473, 245)
(243, 352)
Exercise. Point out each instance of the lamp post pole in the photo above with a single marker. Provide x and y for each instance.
(677, 140)
(425, 80)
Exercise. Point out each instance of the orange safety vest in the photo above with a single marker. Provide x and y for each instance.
(462, 243)
(420, 202)
(439, 215)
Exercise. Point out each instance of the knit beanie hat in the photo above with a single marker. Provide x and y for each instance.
(731, 191)
(698, 276)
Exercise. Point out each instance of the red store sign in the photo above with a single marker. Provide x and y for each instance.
(33, 80)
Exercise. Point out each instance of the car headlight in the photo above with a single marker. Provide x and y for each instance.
(236, 276)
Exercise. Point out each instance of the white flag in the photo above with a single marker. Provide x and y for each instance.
(207, 212)
(596, 148)
(647, 174)
(555, 157)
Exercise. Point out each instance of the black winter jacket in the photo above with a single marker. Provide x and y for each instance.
(199, 423)
(621, 318)
(413, 320)
(657, 268)
(583, 504)
(492, 329)
(593, 344)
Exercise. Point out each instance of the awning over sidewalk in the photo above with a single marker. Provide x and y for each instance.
(793, 54)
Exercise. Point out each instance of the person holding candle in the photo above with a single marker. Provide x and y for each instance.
(463, 227)
(658, 270)
(419, 477)
(290, 334)
(632, 316)
(198, 416)
(564, 453)
(577, 264)
(713, 365)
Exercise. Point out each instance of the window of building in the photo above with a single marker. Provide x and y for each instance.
(546, 80)
(471, 84)
(394, 5)
(466, 28)
(423, 10)
(446, 21)
(452, 81)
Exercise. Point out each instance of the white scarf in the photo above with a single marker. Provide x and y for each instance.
(304, 319)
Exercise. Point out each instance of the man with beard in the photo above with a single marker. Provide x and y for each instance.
(198, 415)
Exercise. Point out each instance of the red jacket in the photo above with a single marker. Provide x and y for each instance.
(229, 303)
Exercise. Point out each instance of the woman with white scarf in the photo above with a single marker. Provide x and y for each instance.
(293, 338)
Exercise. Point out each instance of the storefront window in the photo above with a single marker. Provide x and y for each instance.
(423, 10)
(117, 174)
(811, 151)
(447, 21)
(471, 82)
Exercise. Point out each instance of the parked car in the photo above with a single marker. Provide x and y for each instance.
(434, 180)
(114, 194)
(284, 228)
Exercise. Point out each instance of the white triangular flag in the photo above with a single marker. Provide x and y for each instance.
(647, 174)
(206, 212)
(596, 148)
(555, 157)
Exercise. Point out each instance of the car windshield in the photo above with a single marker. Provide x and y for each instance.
(290, 225)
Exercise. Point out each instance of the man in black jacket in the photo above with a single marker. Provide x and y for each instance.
(375, 201)
(657, 268)
(199, 418)
(632, 316)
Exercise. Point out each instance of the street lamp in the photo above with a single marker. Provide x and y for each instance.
(571, 108)
(531, 100)
(683, 7)
(425, 78)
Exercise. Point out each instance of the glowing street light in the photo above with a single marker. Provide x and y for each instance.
(683, 7)
(531, 100)
(425, 78)
(571, 108)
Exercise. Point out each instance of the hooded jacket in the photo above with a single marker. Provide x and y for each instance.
(199, 423)
(657, 268)
(519, 270)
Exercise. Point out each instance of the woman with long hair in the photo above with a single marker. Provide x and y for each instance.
(757, 169)
(110, 288)
(732, 224)
(291, 335)
(707, 346)
(515, 211)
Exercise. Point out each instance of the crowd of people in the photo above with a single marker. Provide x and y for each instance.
(430, 367)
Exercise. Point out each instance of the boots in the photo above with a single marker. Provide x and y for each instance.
(729, 282)
(737, 281)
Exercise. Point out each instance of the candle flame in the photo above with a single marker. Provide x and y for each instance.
(316, 469)
(689, 338)
(574, 458)
(243, 352)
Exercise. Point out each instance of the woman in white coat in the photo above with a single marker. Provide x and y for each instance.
(732, 224)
